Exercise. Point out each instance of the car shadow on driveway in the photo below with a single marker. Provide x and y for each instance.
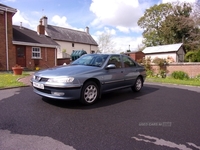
(107, 99)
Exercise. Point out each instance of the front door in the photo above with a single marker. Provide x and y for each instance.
(114, 78)
(21, 56)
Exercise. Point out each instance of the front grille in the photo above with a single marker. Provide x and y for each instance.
(44, 79)
(44, 90)
(41, 79)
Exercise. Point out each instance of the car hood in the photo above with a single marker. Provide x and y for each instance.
(69, 70)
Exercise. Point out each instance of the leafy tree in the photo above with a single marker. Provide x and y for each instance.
(168, 24)
(196, 13)
(179, 24)
(195, 42)
(193, 56)
(151, 22)
(105, 43)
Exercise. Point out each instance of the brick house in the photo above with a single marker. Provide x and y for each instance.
(7, 52)
(34, 49)
(30, 49)
(69, 39)
(22, 46)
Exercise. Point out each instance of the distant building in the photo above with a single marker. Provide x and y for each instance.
(172, 52)
(32, 49)
(137, 56)
(68, 39)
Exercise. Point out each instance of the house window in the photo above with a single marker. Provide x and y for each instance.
(72, 44)
(36, 52)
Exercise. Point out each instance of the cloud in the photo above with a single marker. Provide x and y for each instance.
(123, 14)
(60, 21)
(120, 43)
(112, 32)
(5, 1)
(120, 46)
(182, 1)
(20, 18)
(123, 29)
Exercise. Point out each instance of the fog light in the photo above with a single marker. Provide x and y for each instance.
(57, 93)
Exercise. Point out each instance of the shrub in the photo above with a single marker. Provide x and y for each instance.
(180, 75)
(197, 77)
(198, 56)
(160, 61)
(162, 73)
(193, 56)
(147, 63)
(149, 73)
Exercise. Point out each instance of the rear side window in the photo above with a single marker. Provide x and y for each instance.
(128, 62)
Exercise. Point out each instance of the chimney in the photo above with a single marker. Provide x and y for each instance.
(41, 28)
(87, 30)
(20, 25)
(44, 21)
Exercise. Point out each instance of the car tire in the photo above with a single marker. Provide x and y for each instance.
(138, 85)
(89, 93)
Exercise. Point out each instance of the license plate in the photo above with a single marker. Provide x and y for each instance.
(38, 85)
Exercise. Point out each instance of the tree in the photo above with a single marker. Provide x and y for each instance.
(196, 18)
(168, 24)
(105, 43)
(178, 26)
(196, 13)
(151, 23)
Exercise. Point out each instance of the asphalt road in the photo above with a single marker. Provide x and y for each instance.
(159, 117)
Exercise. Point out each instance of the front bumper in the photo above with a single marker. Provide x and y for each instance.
(59, 93)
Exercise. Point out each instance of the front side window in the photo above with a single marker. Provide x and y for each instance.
(36, 52)
(115, 59)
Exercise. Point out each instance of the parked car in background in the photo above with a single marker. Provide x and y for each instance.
(88, 77)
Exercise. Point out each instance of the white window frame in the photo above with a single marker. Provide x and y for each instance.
(36, 52)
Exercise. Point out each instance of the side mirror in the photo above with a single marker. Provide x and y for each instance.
(110, 66)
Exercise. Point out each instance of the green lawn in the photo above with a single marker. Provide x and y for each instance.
(192, 82)
(9, 80)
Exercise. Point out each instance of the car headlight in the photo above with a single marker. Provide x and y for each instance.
(61, 80)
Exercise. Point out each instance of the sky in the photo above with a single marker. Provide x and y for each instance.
(117, 17)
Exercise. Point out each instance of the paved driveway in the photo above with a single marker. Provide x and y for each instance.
(159, 117)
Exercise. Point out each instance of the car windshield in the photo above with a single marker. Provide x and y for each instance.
(91, 60)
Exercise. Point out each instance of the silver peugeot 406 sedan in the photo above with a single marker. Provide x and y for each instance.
(88, 77)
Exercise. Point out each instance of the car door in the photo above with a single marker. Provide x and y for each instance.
(114, 77)
(131, 71)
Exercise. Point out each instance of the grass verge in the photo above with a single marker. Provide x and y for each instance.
(8, 80)
(192, 82)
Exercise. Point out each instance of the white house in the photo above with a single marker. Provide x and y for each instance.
(172, 52)
(69, 39)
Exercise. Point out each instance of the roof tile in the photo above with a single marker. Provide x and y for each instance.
(22, 34)
(70, 35)
(162, 48)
